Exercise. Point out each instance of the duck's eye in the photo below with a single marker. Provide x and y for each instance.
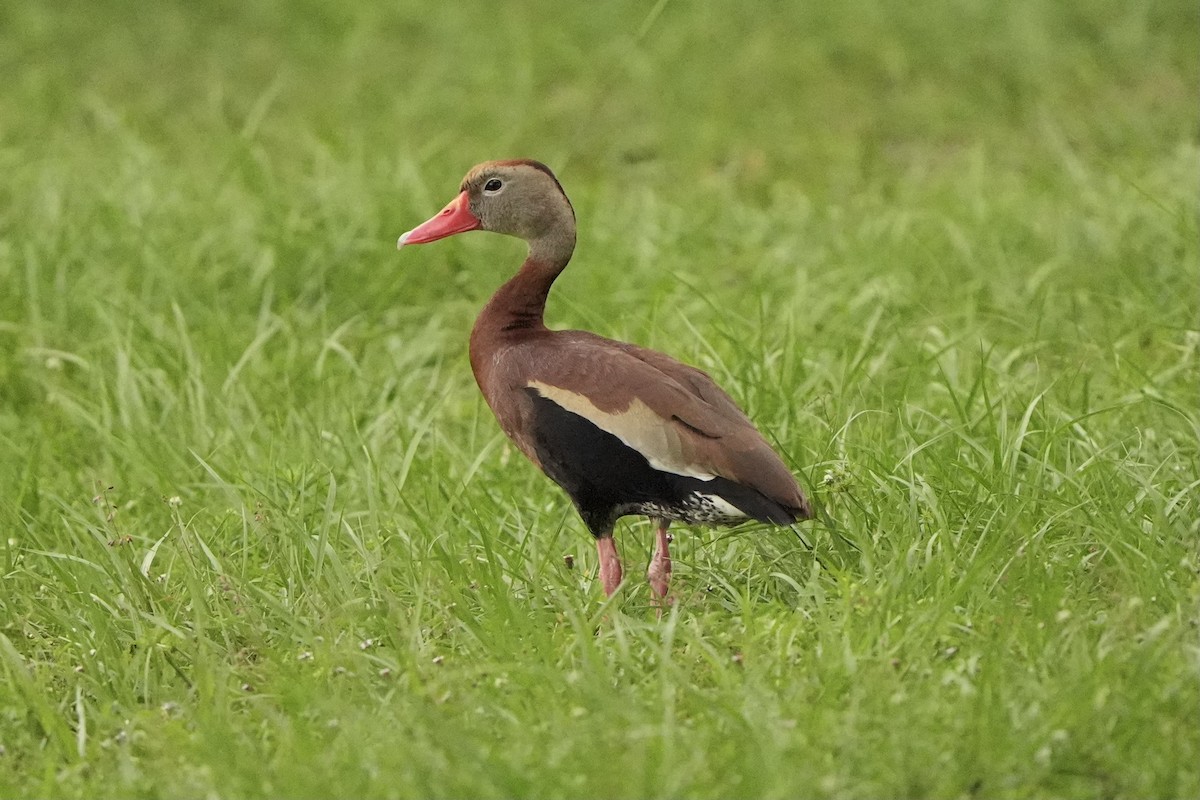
(493, 186)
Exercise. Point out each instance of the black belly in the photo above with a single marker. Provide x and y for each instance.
(608, 479)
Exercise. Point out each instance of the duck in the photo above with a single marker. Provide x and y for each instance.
(622, 429)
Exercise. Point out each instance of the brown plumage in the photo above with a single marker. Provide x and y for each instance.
(624, 430)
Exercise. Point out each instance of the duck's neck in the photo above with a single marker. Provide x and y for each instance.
(517, 308)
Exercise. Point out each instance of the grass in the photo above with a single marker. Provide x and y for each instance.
(262, 537)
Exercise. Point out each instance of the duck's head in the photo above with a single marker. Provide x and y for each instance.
(519, 198)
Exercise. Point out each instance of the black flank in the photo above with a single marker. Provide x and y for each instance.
(607, 479)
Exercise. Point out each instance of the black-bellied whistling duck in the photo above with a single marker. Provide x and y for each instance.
(622, 429)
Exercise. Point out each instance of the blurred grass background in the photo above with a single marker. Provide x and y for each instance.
(263, 539)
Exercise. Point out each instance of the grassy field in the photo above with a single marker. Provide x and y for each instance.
(261, 536)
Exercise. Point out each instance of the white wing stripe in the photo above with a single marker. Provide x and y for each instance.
(637, 427)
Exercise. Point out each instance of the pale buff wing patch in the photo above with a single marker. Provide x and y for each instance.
(637, 427)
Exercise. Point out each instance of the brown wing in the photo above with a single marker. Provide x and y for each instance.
(673, 414)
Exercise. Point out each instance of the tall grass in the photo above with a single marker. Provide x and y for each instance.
(262, 538)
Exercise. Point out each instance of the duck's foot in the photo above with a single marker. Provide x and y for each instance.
(610, 564)
(659, 572)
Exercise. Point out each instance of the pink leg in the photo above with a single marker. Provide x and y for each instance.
(610, 564)
(660, 566)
